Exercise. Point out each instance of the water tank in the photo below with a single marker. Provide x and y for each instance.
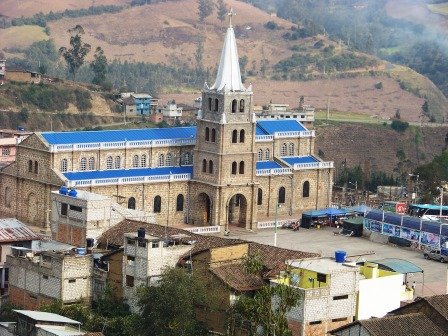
(63, 190)
(141, 233)
(72, 193)
(89, 242)
(81, 251)
(340, 256)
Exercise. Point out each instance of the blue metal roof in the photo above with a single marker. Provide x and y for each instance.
(117, 173)
(397, 265)
(299, 159)
(268, 165)
(62, 138)
(269, 127)
(428, 206)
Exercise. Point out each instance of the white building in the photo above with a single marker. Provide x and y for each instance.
(171, 110)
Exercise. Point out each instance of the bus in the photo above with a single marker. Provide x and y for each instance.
(428, 211)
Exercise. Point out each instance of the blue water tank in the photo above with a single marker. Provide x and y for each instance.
(72, 193)
(340, 256)
(81, 251)
(63, 190)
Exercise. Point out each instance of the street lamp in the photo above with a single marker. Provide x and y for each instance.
(441, 204)
(275, 223)
(416, 184)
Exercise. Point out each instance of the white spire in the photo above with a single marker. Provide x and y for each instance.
(229, 75)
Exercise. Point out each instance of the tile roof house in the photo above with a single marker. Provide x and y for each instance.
(424, 316)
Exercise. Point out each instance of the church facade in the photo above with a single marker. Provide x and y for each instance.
(228, 170)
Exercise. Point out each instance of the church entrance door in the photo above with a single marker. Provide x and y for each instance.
(237, 210)
(204, 208)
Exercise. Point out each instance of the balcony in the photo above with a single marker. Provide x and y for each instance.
(313, 165)
(274, 171)
(133, 180)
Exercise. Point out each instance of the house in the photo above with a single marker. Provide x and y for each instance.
(304, 113)
(138, 103)
(2, 65)
(56, 272)
(12, 233)
(8, 141)
(229, 171)
(424, 316)
(24, 76)
(39, 323)
(78, 216)
(171, 110)
(334, 293)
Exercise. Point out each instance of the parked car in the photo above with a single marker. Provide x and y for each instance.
(436, 255)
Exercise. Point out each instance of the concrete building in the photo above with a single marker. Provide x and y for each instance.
(170, 110)
(305, 114)
(231, 170)
(335, 293)
(8, 142)
(24, 76)
(12, 233)
(41, 277)
(76, 216)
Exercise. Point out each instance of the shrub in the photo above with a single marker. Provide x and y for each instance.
(271, 25)
(399, 126)
(83, 100)
(379, 85)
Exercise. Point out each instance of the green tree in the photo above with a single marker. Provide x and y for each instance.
(221, 10)
(168, 309)
(24, 115)
(199, 54)
(99, 67)
(205, 8)
(75, 55)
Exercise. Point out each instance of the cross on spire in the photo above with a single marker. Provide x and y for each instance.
(230, 14)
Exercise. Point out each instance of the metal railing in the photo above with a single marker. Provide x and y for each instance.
(274, 171)
(133, 179)
(271, 224)
(204, 229)
(313, 165)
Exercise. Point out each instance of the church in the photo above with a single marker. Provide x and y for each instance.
(229, 170)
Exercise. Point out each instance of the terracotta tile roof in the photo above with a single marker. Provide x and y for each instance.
(439, 303)
(236, 277)
(114, 236)
(402, 325)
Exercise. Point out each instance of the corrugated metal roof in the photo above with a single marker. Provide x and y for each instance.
(58, 331)
(274, 126)
(12, 230)
(118, 173)
(398, 265)
(268, 165)
(299, 159)
(46, 317)
(62, 138)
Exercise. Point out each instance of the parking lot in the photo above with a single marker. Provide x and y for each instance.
(325, 242)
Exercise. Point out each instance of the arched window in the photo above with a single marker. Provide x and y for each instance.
(143, 160)
(157, 204)
(291, 149)
(204, 166)
(260, 155)
(131, 203)
(161, 162)
(210, 167)
(30, 166)
(109, 162)
(216, 104)
(242, 105)
(306, 189)
(180, 202)
(242, 135)
(63, 165)
(135, 160)
(36, 167)
(91, 163)
(234, 136)
(234, 167)
(187, 159)
(241, 167)
(83, 164)
(207, 134)
(169, 160)
(283, 150)
(210, 104)
(260, 197)
(8, 197)
(281, 195)
(234, 105)
(213, 135)
(267, 154)
(117, 162)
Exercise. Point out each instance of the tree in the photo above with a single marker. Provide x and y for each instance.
(24, 115)
(205, 8)
(221, 10)
(199, 55)
(75, 55)
(168, 309)
(99, 67)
